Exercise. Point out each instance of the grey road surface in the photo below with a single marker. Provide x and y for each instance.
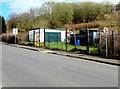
(27, 68)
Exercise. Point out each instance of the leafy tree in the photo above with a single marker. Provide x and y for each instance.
(14, 21)
(77, 16)
(57, 14)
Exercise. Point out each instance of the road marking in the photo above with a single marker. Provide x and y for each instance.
(96, 62)
(46, 51)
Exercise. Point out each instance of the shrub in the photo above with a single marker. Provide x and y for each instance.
(11, 39)
(30, 44)
(27, 43)
(4, 38)
(22, 43)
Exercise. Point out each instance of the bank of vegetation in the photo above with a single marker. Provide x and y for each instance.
(58, 14)
(62, 15)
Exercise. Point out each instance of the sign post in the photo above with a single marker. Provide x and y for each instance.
(15, 31)
(106, 31)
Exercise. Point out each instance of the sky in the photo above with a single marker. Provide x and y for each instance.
(19, 6)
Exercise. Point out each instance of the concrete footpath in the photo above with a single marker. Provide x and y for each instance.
(69, 54)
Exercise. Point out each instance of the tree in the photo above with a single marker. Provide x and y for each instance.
(14, 21)
(77, 16)
(58, 14)
(2, 25)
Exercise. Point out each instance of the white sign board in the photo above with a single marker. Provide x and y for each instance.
(15, 31)
(105, 30)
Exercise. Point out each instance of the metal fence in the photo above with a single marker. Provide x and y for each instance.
(112, 46)
(53, 41)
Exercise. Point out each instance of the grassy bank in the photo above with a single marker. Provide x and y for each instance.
(62, 46)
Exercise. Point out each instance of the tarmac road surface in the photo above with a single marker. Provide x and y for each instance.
(27, 68)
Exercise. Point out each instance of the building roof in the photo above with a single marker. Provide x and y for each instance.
(47, 28)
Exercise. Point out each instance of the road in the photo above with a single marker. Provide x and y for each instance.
(27, 68)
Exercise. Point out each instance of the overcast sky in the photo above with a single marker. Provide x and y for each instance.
(19, 6)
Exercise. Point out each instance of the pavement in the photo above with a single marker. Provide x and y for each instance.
(70, 54)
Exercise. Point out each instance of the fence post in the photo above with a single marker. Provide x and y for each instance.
(34, 37)
(49, 39)
(57, 40)
(66, 40)
(87, 31)
(99, 43)
(44, 38)
(74, 38)
(113, 43)
(28, 36)
(39, 37)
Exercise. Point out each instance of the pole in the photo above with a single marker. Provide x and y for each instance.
(39, 37)
(15, 38)
(28, 37)
(44, 38)
(34, 37)
(74, 38)
(49, 39)
(113, 43)
(57, 40)
(66, 41)
(99, 44)
(87, 31)
(106, 46)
